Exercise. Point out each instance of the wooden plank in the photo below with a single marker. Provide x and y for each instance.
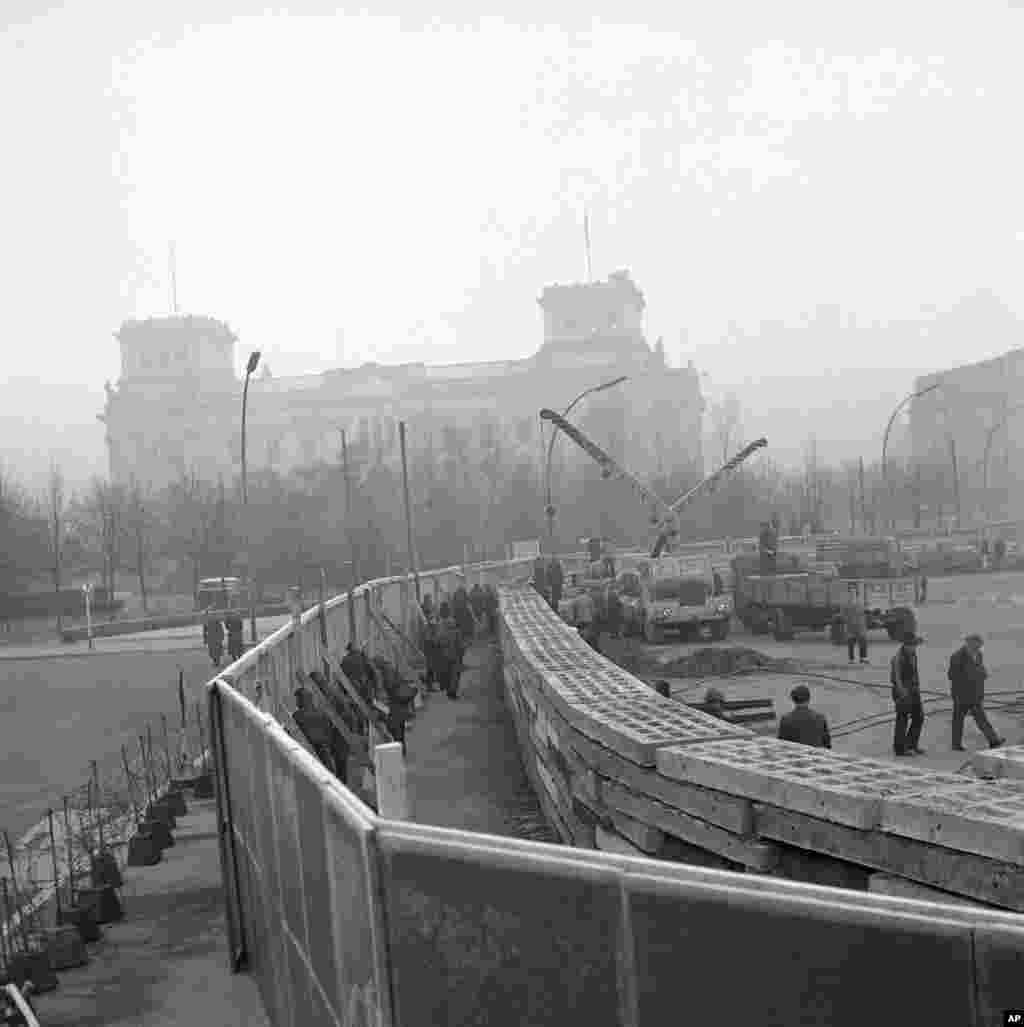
(749, 852)
(999, 884)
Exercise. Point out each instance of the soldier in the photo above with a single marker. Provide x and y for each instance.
(316, 728)
(213, 637)
(233, 622)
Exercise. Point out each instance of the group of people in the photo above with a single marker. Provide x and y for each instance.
(967, 675)
(215, 626)
(449, 628)
(372, 679)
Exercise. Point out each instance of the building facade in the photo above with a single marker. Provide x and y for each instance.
(176, 408)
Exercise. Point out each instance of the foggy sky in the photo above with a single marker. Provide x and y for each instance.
(417, 183)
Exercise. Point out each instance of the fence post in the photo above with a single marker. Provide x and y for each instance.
(389, 770)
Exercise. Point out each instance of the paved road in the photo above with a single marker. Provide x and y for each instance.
(163, 640)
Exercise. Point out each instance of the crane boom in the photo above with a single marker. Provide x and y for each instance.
(668, 514)
(609, 468)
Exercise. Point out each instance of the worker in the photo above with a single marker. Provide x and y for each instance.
(451, 652)
(714, 703)
(612, 612)
(856, 624)
(804, 725)
(967, 676)
(906, 696)
(556, 579)
(768, 547)
(540, 578)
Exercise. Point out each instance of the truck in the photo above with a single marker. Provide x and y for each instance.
(221, 594)
(659, 592)
(804, 598)
(674, 594)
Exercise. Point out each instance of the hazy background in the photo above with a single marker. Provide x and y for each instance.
(344, 187)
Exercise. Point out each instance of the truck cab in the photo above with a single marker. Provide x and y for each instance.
(673, 594)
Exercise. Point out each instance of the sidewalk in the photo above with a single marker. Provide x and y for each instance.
(166, 963)
(463, 764)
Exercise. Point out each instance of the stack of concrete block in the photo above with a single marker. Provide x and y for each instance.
(618, 767)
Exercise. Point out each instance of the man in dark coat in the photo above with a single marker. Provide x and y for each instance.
(316, 727)
(452, 652)
(612, 612)
(233, 622)
(906, 695)
(556, 579)
(213, 636)
(540, 577)
(967, 676)
(804, 725)
(476, 602)
(463, 614)
(358, 669)
(491, 608)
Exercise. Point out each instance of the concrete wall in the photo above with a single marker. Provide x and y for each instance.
(349, 919)
(619, 768)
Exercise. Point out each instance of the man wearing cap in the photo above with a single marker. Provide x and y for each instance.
(804, 725)
(714, 703)
(906, 694)
(967, 676)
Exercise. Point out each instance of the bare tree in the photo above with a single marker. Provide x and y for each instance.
(726, 427)
(138, 524)
(56, 511)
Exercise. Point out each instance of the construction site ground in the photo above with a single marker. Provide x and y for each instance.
(991, 604)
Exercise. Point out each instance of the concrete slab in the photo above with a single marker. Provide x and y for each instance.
(747, 851)
(890, 884)
(832, 786)
(991, 881)
(984, 817)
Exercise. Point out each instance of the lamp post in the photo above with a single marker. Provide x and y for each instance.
(885, 442)
(989, 435)
(254, 359)
(549, 508)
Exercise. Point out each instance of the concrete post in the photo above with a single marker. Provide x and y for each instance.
(392, 795)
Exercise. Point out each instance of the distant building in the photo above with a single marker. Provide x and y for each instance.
(176, 408)
(979, 406)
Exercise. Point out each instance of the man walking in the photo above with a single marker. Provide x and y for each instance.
(804, 725)
(855, 620)
(967, 676)
(906, 694)
(213, 636)
(540, 577)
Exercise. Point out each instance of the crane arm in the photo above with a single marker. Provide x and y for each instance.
(609, 468)
(668, 515)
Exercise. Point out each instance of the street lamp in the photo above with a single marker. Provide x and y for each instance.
(885, 440)
(549, 509)
(254, 359)
(989, 435)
